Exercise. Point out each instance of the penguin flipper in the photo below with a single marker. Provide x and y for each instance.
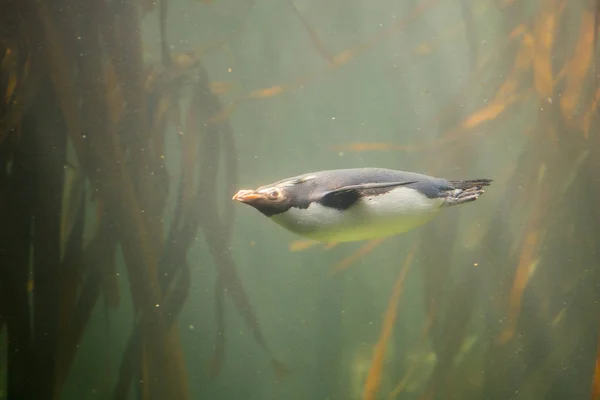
(344, 197)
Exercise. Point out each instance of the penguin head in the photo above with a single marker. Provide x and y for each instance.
(276, 198)
(269, 200)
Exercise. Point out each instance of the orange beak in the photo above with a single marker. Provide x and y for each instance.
(245, 196)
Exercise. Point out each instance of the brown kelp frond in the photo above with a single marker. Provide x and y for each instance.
(353, 258)
(342, 58)
(314, 37)
(528, 262)
(20, 75)
(375, 372)
(93, 130)
(544, 30)
(576, 69)
(216, 223)
(504, 97)
(542, 180)
(596, 379)
(300, 245)
(219, 352)
(81, 291)
(372, 146)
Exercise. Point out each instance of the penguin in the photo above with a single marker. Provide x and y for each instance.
(356, 204)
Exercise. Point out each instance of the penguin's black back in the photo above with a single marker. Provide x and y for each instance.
(334, 179)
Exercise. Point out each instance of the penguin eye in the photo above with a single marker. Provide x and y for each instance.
(273, 194)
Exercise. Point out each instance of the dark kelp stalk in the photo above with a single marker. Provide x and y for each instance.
(72, 74)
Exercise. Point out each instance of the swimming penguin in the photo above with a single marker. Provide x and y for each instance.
(347, 205)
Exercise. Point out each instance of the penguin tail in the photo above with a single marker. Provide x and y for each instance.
(465, 191)
(474, 183)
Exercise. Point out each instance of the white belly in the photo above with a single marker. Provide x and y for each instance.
(397, 211)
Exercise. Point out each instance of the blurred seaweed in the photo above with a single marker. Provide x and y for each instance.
(552, 67)
(72, 76)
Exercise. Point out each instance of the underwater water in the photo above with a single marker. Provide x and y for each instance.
(129, 272)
